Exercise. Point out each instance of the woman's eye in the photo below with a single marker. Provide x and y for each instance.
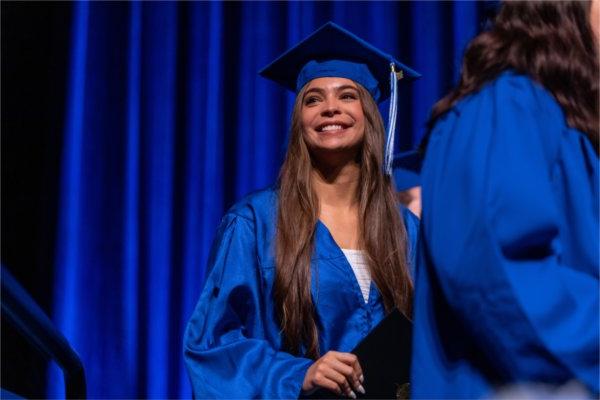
(348, 96)
(310, 100)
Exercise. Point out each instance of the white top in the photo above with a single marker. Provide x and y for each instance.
(359, 265)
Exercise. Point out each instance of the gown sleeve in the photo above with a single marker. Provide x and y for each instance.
(492, 227)
(226, 350)
(411, 223)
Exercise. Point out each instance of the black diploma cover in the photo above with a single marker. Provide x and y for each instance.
(384, 356)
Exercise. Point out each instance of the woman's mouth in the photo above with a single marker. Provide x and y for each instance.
(331, 127)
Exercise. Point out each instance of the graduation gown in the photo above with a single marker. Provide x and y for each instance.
(232, 344)
(507, 284)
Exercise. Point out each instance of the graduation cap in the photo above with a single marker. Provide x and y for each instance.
(332, 51)
(406, 169)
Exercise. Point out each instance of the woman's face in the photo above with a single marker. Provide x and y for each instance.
(332, 115)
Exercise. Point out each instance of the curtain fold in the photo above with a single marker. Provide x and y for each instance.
(167, 125)
(130, 234)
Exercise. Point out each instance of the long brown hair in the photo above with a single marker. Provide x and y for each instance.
(552, 42)
(382, 231)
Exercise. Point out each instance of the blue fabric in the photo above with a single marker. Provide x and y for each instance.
(406, 169)
(233, 341)
(333, 51)
(507, 290)
(167, 125)
(357, 72)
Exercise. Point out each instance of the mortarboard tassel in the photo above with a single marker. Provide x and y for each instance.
(389, 144)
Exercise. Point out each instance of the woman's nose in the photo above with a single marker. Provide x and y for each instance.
(330, 107)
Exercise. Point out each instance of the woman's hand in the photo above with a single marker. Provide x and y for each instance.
(335, 371)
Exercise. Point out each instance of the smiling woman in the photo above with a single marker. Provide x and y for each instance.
(332, 116)
(302, 272)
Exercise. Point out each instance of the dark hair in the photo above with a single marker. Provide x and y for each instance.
(382, 231)
(553, 43)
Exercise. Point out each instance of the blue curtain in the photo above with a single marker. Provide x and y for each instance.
(167, 125)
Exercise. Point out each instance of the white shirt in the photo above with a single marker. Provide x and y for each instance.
(359, 265)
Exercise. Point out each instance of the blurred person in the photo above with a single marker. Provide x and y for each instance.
(507, 291)
(406, 168)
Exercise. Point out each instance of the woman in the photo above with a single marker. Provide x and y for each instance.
(301, 273)
(508, 289)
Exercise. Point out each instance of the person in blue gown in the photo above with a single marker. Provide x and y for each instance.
(300, 273)
(406, 168)
(506, 294)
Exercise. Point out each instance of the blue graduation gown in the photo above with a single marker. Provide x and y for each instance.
(507, 284)
(232, 344)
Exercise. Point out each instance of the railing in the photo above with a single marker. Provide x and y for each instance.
(29, 320)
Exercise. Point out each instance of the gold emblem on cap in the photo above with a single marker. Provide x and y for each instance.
(399, 74)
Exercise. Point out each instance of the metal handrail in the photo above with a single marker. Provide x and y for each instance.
(29, 319)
